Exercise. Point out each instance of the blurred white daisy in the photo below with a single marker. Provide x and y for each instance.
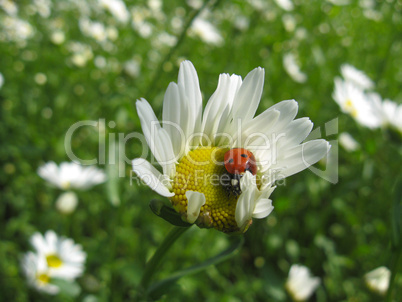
(348, 142)
(388, 111)
(300, 283)
(206, 31)
(355, 102)
(378, 279)
(191, 146)
(358, 77)
(63, 258)
(117, 8)
(93, 29)
(285, 4)
(16, 30)
(67, 202)
(70, 175)
(9, 7)
(36, 271)
(293, 69)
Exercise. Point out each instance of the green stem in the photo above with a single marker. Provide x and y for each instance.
(157, 258)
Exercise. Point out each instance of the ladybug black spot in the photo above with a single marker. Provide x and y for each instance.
(244, 155)
(231, 160)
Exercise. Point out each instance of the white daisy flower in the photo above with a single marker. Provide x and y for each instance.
(388, 111)
(206, 31)
(219, 166)
(70, 175)
(355, 102)
(36, 271)
(293, 69)
(63, 258)
(378, 279)
(300, 283)
(358, 77)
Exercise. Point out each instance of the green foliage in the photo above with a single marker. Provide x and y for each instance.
(340, 231)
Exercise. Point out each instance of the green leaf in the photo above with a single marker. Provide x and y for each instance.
(68, 288)
(167, 213)
(159, 288)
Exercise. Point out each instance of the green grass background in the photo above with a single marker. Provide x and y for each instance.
(340, 231)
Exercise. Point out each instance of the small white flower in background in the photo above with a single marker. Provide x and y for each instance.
(293, 69)
(40, 78)
(355, 102)
(378, 279)
(54, 258)
(285, 4)
(67, 202)
(70, 175)
(132, 67)
(289, 22)
(301, 284)
(36, 271)
(64, 259)
(206, 31)
(348, 142)
(389, 111)
(58, 37)
(42, 7)
(92, 29)
(82, 53)
(9, 7)
(16, 30)
(358, 77)
(117, 8)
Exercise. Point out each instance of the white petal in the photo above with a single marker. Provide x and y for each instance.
(39, 244)
(167, 160)
(263, 208)
(288, 110)
(249, 95)
(301, 157)
(245, 207)
(149, 124)
(254, 132)
(295, 133)
(190, 93)
(195, 201)
(152, 177)
(172, 116)
(246, 202)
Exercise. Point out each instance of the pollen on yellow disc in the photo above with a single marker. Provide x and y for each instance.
(53, 261)
(44, 278)
(200, 171)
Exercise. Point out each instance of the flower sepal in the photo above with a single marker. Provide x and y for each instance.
(167, 213)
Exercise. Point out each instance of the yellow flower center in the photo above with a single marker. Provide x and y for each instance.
(53, 261)
(351, 108)
(200, 171)
(43, 278)
(66, 185)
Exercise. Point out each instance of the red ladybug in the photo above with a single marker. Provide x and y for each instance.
(237, 161)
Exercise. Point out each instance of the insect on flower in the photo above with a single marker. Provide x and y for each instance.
(237, 161)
